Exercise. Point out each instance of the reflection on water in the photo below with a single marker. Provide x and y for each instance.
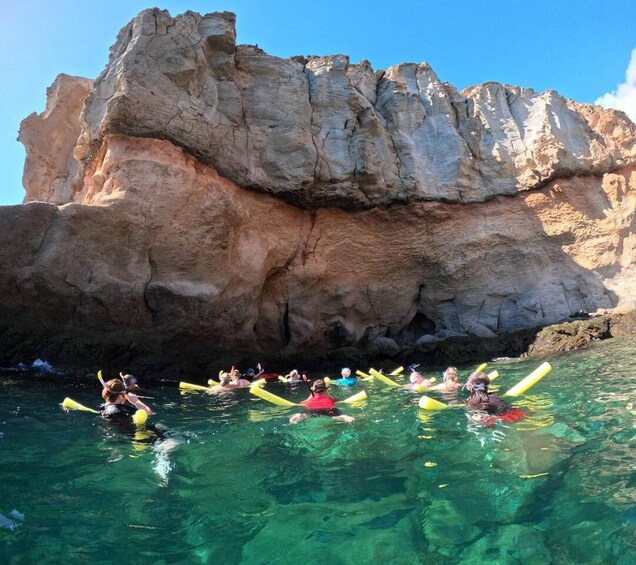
(226, 479)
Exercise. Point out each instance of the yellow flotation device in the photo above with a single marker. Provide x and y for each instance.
(396, 372)
(278, 401)
(70, 404)
(362, 395)
(532, 379)
(266, 395)
(386, 380)
(364, 376)
(190, 386)
(428, 403)
(140, 417)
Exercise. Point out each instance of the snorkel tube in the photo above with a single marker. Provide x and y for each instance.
(306, 381)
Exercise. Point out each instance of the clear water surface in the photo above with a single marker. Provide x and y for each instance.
(228, 480)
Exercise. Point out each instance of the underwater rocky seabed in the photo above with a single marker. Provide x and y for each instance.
(227, 480)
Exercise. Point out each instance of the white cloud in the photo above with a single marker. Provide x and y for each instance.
(624, 97)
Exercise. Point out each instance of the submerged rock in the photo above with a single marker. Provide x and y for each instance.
(508, 544)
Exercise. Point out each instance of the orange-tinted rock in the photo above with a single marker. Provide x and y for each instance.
(290, 208)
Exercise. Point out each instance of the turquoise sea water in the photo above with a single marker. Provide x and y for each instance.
(228, 480)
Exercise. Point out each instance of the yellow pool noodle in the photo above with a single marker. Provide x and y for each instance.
(384, 379)
(532, 379)
(427, 403)
(190, 386)
(70, 404)
(266, 395)
(362, 395)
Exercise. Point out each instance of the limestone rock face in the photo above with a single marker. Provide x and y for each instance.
(324, 132)
(50, 138)
(206, 198)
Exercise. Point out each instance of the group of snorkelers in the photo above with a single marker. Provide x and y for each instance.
(479, 397)
(233, 380)
(120, 400)
(450, 381)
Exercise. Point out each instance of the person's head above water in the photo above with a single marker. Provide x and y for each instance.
(346, 373)
(113, 390)
(225, 379)
(319, 386)
(130, 382)
(478, 383)
(451, 374)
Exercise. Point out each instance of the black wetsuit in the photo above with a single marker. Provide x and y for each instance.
(116, 411)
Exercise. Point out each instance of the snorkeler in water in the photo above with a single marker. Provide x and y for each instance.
(294, 376)
(346, 378)
(451, 381)
(417, 380)
(320, 403)
(225, 385)
(480, 399)
(236, 380)
(119, 402)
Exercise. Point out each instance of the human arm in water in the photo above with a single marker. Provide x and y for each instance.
(134, 400)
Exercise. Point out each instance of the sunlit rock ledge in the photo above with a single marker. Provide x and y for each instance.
(202, 201)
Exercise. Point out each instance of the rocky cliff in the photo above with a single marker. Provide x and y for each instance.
(200, 198)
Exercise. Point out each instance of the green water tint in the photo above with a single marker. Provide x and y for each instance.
(226, 479)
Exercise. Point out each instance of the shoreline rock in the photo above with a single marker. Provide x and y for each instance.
(205, 198)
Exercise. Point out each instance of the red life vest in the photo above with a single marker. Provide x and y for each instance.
(320, 403)
(514, 415)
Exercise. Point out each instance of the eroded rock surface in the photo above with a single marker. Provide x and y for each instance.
(207, 198)
(50, 139)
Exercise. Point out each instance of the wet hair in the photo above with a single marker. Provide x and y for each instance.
(225, 379)
(451, 374)
(114, 389)
(479, 383)
(319, 386)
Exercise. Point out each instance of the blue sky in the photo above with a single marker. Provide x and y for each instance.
(580, 48)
